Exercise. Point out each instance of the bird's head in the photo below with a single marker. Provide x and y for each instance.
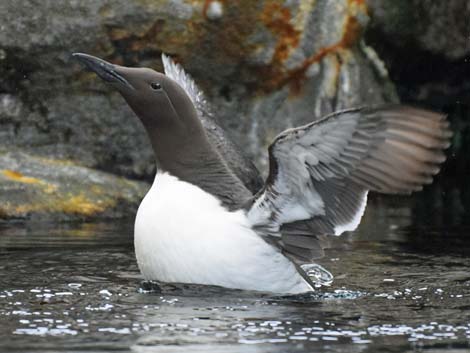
(164, 108)
(157, 100)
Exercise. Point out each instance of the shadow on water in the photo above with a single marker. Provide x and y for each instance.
(401, 284)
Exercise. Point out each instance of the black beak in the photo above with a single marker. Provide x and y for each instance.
(103, 69)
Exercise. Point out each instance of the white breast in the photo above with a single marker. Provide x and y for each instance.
(183, 234)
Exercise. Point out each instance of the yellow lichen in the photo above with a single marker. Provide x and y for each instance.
(302, 16)
(96, 190)
(53, 201)
(59, 162)
(68, 204)
(80, 204)
(20, 178)
(49, 188)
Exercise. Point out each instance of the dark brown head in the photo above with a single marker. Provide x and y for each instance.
(165, 109)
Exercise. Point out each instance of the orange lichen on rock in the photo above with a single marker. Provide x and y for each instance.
(277, 19)
(20, 178)
(205, 7)
(352, 32)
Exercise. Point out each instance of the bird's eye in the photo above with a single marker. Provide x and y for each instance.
(156, 86)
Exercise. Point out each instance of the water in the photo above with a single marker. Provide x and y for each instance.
(400, 286)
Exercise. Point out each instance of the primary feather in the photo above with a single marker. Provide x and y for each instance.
(320, 173)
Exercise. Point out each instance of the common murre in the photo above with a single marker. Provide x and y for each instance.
(200, 222)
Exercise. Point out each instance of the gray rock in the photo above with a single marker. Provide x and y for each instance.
(40, 188)
(265, 66)
(250, 60)
(439, 27)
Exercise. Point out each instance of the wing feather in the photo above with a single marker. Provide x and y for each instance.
(320, 173)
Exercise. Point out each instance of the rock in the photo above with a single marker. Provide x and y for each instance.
(438, 27)
(265, 65)
(40, 188)
(425, 46)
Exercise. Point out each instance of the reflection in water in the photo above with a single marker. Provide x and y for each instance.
(50, 235)
(398, 286)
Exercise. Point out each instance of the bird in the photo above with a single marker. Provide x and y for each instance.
(207, 219)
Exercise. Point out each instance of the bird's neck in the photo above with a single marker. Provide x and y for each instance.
(193, 159)
(183, 150)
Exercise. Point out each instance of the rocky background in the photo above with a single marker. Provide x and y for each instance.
(425, 45)
(71, 148)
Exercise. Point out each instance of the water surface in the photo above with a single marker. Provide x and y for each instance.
(400, 285)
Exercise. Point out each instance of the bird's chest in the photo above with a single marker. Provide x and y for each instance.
(183, 234)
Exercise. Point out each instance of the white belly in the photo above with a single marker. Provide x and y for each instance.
(184, 235)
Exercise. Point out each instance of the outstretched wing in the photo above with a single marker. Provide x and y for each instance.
(320, 173)
(240, 165)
